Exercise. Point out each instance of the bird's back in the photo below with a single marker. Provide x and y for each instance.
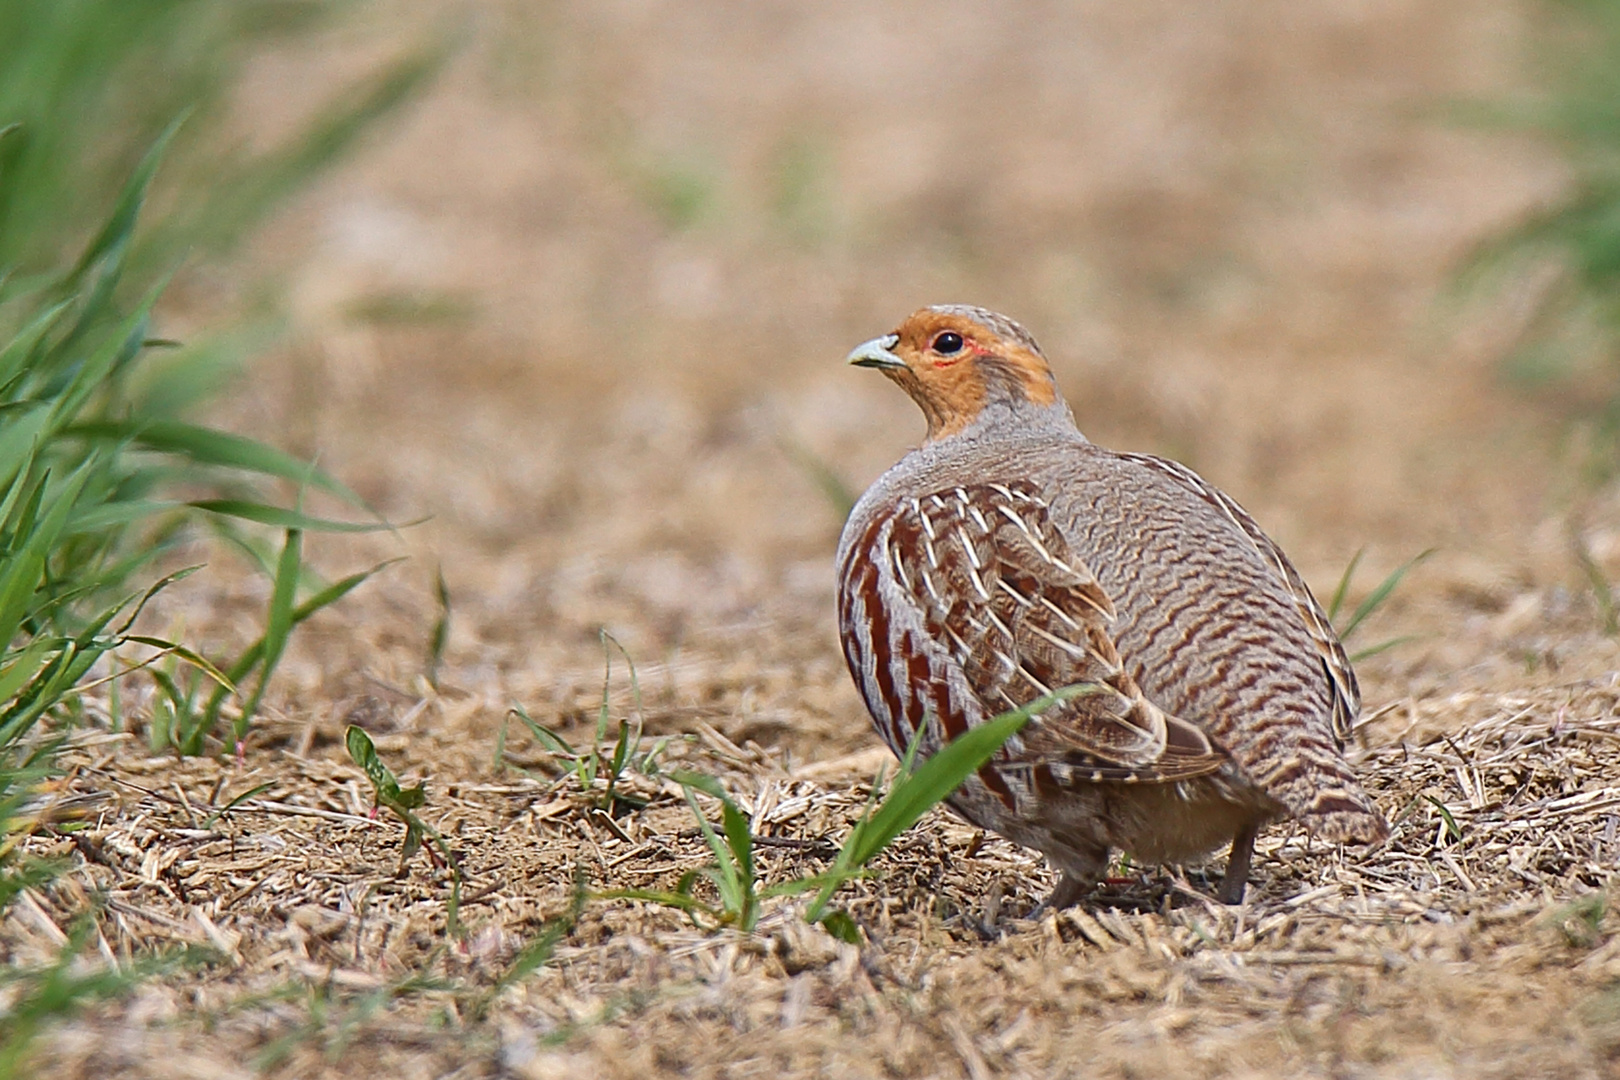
(1204, 621)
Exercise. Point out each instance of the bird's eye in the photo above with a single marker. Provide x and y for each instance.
(947, 343)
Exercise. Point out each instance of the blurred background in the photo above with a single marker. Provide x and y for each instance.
(574, 281)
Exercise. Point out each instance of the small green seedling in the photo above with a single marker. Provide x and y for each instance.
(1448, 825)
(403, 804)
(597, 761)
(441, 628)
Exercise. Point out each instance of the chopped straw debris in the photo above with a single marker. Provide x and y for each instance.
(1490, 902)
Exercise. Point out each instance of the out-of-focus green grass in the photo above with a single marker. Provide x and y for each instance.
(1568, 353)
(91, 83)
(95, 451)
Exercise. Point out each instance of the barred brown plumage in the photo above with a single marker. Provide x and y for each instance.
(1009, 556)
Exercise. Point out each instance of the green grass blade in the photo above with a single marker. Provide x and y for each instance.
(629, 662)
(25, 570)
(741, 845)
(114, 236)
(547, 738)
(253, 653)
(20, 434)
(1383, 646)
(82, 378)
(338, 590)
(20, 666)
(279, 623)
(1377, 597)
(190, 656)
(797, 886)
(826, 479)
(284, 519)
(151, 591)
(235, 207)
(1445, 815)
(621, 754)
(681, 901)
(1344, 585)
(933, 781)
(607, 675)
(206, 446)
(441, 627)
(915, 794)
(238, 800)
(171, 713)
(23, 573)
(725, 871)
(25, 512)
(29, 338)
(699, 782)
(98, 520)
(538, 952)
(48, 688)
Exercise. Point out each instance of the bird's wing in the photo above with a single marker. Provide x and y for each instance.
(1335, 664)
(1000, 590)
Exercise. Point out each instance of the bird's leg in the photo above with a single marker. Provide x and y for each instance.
(1081, 871)
(1068, 892)
(1237, 866)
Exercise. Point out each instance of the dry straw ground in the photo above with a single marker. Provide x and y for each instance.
(586, 308)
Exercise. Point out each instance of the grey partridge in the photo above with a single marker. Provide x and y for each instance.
(1009, 556)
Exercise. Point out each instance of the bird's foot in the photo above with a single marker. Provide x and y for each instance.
(1070, 890)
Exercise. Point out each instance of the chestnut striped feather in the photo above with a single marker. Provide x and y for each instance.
(1008, 614)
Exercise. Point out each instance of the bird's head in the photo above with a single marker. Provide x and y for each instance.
(956, 361)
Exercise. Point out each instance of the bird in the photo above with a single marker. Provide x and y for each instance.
(1008, 557)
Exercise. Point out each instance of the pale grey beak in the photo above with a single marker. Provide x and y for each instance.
(877, 353)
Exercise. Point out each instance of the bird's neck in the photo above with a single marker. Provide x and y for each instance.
(1002, 418)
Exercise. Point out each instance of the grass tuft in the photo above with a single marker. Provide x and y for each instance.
(913, 794)
(1373, 601)
(94, 96)
(598, 761)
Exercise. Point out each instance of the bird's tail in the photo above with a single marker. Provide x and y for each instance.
(1340, 812)
(1317, 785)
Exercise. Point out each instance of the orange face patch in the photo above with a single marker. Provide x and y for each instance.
(955, 366)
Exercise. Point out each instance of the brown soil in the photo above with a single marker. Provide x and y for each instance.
(623, 248)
